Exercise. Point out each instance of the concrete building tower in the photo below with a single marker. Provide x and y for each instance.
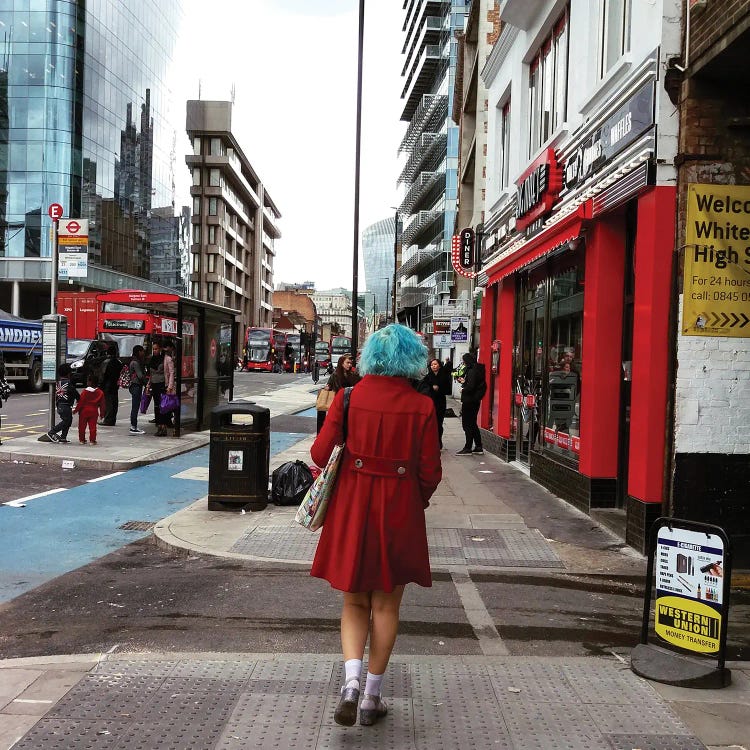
(234, 219)
(430, 150)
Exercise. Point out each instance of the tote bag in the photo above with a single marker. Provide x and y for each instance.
(325, 399)
(312, 510)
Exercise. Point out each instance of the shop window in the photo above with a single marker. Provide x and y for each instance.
(548, 85)
(562, 412)
(504, 150)
(614, 33)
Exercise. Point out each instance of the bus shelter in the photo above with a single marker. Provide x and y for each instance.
(205, 339)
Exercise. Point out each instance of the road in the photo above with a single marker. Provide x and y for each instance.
(61, 519)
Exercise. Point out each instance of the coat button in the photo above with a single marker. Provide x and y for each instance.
(401, 470)
(358, 463)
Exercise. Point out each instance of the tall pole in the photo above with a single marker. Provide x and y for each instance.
(53, 309)
(387, 297)
(355, 251)
(395, 268)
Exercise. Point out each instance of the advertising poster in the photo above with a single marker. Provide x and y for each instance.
(716, 284)
(459, 329)
(689, 588)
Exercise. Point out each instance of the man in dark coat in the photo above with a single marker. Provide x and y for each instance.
(110, 376)
(474, 387)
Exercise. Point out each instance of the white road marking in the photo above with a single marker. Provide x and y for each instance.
(106, 476)
(21, 501)
(29, 700)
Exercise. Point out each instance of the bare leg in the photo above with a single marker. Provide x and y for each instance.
(385, 609)
(355, 623)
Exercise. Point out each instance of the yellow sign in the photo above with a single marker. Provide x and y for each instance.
(73, 241)
(689, 624)
(716, 287)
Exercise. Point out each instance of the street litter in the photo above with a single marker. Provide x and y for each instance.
(478, 539)
(68, 464)
(514, 690)
(486, 471)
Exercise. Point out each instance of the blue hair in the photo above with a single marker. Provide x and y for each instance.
(395, 350)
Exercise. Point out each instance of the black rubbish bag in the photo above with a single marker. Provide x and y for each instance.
(290, 482)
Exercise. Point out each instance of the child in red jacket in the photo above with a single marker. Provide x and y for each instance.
(90, 405)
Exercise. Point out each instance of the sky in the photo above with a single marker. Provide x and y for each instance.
(293, 66)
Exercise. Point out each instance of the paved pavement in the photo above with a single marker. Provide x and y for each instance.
(206, 700)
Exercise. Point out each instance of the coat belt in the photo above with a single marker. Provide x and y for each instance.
(382, 467)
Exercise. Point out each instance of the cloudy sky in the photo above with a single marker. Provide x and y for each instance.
(293, 65)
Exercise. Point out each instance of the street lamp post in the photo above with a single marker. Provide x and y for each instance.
(357, 151)
(395, 265)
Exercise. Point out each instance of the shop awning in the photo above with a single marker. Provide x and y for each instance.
(549, 240)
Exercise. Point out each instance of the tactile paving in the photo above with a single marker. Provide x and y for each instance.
(531, 682)
(475, 547)
(624, 719)
(69, 734)
(654, 742)
(541, 726)
(608, 683)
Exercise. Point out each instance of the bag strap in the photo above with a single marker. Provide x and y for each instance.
(347, 393)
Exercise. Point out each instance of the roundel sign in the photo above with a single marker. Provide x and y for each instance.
(213, 348)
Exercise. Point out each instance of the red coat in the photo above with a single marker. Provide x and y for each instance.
(374, 537)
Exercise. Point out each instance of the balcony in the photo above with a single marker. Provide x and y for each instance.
(422, 77)
(429, 150)
(429, 33)
(421, 221)
(429, 116)
(417, 260)
(424, 187)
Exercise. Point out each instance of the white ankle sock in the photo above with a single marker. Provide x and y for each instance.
(353, 672)
(373, 684)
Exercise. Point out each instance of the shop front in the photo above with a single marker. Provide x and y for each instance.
(576, 323)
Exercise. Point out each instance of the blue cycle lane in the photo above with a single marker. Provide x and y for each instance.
(63, 531)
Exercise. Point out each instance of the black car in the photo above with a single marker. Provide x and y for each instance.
(89, 361)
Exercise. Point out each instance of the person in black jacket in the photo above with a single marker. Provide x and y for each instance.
(111, 369)
(4, 387)
(65, 397)
(474, 387)
(437, 385)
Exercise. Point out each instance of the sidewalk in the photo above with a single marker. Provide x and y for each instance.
(232, 701)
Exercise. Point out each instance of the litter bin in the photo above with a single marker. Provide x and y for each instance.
(239, 456)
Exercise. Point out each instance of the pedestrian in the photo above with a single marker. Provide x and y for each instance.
(138, 380)
(170, 367)
(343, 376)
(474, 386)
(157, 383)
(374, 540)
(110, 384)
(437, 385)
(90, 404)
(4, 388)
(66, 396)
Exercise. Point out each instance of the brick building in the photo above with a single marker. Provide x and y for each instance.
(711, 450)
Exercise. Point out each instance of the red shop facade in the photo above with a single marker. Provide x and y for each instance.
(576, 319)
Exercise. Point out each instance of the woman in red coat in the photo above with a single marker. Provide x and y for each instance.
(374, 540)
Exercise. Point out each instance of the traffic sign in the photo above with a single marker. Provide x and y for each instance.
(55, 211)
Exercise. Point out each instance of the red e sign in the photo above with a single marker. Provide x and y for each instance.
(55, 211)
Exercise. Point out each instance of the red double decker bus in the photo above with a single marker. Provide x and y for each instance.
(264, 350)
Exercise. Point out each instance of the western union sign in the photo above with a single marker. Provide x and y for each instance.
(689, 624)
(716, 287)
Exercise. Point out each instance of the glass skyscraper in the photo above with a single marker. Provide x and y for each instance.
(87, 121)
(378, 245)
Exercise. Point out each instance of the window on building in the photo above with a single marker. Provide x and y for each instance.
(213, 206)
(196, 176)
(196, 205)
(211, 235)
(504, 150)
(197, 146)
(211, 263)
(214, 177)
(548, 86)
(196, 233)
(216, 149)
(615, 33)
(195, 290)
(196, 262)
(211, 291)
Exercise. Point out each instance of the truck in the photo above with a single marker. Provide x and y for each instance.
(21, 351)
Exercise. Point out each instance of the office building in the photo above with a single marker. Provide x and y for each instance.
(430, 152)
(84, 122)
(378, 246)
(234, 219)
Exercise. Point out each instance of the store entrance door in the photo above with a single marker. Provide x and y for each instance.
(528, 387)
